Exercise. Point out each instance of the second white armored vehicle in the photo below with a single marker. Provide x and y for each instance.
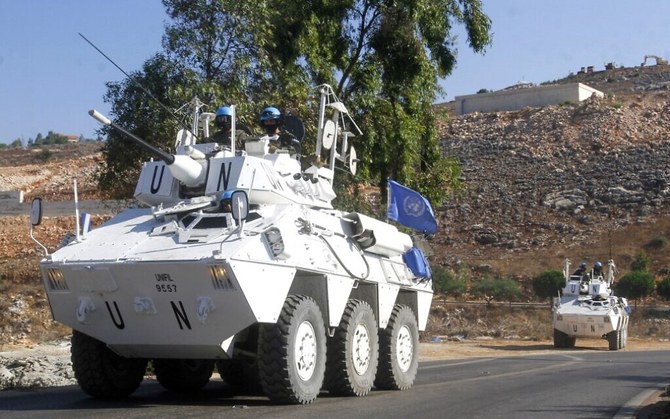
(240, 262)
(587, 308)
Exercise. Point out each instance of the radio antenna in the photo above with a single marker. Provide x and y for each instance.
(170, 111)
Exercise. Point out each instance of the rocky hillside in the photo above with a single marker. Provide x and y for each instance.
(584, 180)
(49, 172)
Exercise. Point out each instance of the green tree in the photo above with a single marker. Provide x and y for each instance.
(548, 283)
(635, 285)
(227, 45)
(45, 154)
(663, 288)
(642, 263)
(384, 59)
(51, 138)
(213, 51)
(138, 113)
(449, 283)
(496, 289)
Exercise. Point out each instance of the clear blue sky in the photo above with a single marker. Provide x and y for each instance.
(50, 77)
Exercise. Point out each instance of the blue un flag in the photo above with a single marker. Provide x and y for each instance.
(410, 209)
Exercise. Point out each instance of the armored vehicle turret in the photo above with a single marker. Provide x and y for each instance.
(239, 262)
(588, 308)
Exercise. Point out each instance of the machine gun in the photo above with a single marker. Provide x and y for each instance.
(183, 167)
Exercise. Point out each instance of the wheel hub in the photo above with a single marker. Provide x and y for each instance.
(404, 349)
(361, 349)
(305, 351)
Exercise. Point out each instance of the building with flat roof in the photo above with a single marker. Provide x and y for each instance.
(518, 98)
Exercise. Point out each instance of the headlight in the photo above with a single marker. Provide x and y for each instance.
(275, 241)
(219, 277)
(56, 280)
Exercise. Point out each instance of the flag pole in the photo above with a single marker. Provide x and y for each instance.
(388, 199)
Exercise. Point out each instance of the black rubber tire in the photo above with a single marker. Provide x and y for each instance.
(624, 333)
(353, 352)
(398, 351)
(561, 340)
(183, 375)
(100, 372)
(614, 340)
(624, 336)
(241, 374)
(292, 353)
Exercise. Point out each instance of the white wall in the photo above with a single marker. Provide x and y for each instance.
(515, 99)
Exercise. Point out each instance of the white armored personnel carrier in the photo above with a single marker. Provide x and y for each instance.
(587, 308)
(240, 262)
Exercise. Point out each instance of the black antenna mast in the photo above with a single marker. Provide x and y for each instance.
(170, 111)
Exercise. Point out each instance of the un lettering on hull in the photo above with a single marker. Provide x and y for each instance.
(156, 184)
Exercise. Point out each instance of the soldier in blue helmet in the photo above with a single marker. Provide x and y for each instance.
(272, 122)
(581, 271)
(226, 203)
(224, 123)
(597, 269)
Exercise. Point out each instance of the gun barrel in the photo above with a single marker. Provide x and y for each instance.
(166, 157)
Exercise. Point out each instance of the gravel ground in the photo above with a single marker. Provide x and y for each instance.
(45, 365)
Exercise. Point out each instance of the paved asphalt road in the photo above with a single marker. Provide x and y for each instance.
(569, 384)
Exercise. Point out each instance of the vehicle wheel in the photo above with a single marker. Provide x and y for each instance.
(561, 339)
(624, 333)
(398, 351)
(353, 352)
(614, 340)
(183, 375)
(100, 372)
(292, 352)
(240, 373)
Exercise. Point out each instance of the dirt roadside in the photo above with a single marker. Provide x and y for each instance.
(434, 351)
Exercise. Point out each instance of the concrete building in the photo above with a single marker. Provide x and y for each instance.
(515, 99)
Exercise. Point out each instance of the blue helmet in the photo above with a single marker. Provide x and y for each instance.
(271, 119)
(582, 265)
(270, 114)
(224, 116)
(224, 110)
(599, 265)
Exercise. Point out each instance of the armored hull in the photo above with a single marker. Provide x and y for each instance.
(587, 308)
(151, 288)
(239, 261)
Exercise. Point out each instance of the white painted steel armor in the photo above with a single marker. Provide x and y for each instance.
(587, 308)
(190, 282)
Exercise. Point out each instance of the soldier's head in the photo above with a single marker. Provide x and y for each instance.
(271, 120)
(224, 117)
